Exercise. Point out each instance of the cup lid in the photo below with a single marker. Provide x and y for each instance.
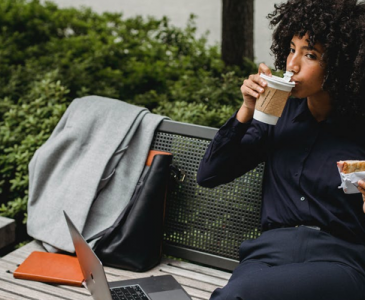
(278, 79)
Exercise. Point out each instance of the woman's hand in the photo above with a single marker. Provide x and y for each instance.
(360, 183)
(251, 89)
(361, 188)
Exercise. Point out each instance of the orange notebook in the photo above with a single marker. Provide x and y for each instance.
(50, 267)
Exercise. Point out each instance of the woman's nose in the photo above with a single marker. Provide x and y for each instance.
(292, 64)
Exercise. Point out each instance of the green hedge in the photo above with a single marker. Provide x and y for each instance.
(25, 127)
(49, 56)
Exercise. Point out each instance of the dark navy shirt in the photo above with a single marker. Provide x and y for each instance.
(301, 177)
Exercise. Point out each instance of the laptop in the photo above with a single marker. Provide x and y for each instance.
(163, 287)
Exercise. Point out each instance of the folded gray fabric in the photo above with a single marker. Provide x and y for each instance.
(88, 167)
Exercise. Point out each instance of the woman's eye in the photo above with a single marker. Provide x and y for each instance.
(291, 50)
(311, 56)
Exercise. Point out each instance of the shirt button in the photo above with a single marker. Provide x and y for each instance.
(302, 198)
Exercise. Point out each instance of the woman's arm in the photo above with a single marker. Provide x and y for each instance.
(239, 145)
(236, 149)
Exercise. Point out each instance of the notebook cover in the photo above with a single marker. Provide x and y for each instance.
(51, 267)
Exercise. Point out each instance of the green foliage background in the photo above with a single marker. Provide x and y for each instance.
(49, 56)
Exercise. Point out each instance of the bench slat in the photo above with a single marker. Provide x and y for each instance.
(196, 276)
(28, 292)
(5, 295)
(199, 269)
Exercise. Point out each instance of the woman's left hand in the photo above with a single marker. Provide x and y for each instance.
(361, 188)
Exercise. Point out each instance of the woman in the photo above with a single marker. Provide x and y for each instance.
(313, 241)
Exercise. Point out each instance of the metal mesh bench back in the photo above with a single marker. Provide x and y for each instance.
(201, 224)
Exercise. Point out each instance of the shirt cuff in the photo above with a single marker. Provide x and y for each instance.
(233, 128)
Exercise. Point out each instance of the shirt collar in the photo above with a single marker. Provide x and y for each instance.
(303, 113)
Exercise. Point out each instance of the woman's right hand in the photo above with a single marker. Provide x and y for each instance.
(251, 89)
(361, 188)
(254, 85)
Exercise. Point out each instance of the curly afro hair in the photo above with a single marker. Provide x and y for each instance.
(339, 25)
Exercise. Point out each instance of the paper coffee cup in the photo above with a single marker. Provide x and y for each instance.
(270, 104)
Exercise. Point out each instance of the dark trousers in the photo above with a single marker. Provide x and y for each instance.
(298, 263)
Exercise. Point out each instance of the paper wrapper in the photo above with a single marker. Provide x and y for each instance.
(272, 101)
(349, 181)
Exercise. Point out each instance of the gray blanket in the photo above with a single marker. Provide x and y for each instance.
(88, 167)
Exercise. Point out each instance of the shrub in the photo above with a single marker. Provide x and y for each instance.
(97, 54)
(49, 56)
(25, 127)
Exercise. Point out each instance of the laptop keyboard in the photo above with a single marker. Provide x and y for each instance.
(131, 292)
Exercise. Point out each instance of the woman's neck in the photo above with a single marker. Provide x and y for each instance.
(320, 107)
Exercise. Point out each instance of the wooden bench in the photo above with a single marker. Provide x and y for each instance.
(203, 227)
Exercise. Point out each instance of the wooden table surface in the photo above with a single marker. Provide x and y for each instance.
(199, 282)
